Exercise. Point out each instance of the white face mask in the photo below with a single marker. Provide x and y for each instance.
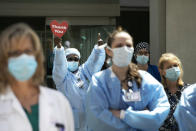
(122, 56)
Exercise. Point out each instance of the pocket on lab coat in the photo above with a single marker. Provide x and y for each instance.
(4, 125)
(6, 107)
(5, 112)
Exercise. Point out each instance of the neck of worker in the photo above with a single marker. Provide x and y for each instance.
(120, 72)
(143, 67)
(24, 88)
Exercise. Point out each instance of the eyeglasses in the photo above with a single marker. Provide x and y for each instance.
(72, 59)
(19, 52)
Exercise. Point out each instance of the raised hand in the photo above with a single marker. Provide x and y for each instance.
(100, 41)
(58, 42)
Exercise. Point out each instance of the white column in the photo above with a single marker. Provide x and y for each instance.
(157, 29)
(181, 34)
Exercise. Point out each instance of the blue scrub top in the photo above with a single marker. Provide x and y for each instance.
(105, 93)
(185, 113)
(153, 70)
(74, 86)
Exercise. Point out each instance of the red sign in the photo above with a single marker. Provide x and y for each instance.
(58, 29)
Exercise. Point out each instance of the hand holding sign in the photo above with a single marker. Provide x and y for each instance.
(57, 42)
(58, 29)
(100, 41)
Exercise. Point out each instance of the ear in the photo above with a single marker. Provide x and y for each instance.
(109, 52)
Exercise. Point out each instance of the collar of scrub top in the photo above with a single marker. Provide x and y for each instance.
(125, 92)
(130, 83)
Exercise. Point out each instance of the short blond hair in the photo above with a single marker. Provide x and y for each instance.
(166, 57)
(18, 32)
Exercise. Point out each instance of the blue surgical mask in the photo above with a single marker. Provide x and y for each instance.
(173, 73)
(142, 59)
(23, 67)
(72, 66)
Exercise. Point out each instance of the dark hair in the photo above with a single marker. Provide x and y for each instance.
(113, 34)
(132, 73)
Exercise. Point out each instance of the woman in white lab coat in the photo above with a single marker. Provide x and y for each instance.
(24, 104)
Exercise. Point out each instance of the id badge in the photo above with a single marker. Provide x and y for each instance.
(130, 96)
(135, 96)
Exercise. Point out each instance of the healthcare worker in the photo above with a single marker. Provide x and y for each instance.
(123, 98)
(142, 53)
(73, 80)
(24, 104)
(185, 113)
(171, 71)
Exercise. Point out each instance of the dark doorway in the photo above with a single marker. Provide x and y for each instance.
(136, 23)
(37, 23)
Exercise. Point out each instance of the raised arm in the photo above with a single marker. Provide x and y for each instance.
(60, 66)
(95, 61)
(150, 119)
(99, 118)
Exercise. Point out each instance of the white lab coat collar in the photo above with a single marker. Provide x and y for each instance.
(44, 108)
(14, 102)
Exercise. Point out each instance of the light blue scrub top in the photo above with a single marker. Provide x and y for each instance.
(185, 113)
(105, 93)
(69, 83)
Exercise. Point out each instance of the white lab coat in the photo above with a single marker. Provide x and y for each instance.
(53, 108)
